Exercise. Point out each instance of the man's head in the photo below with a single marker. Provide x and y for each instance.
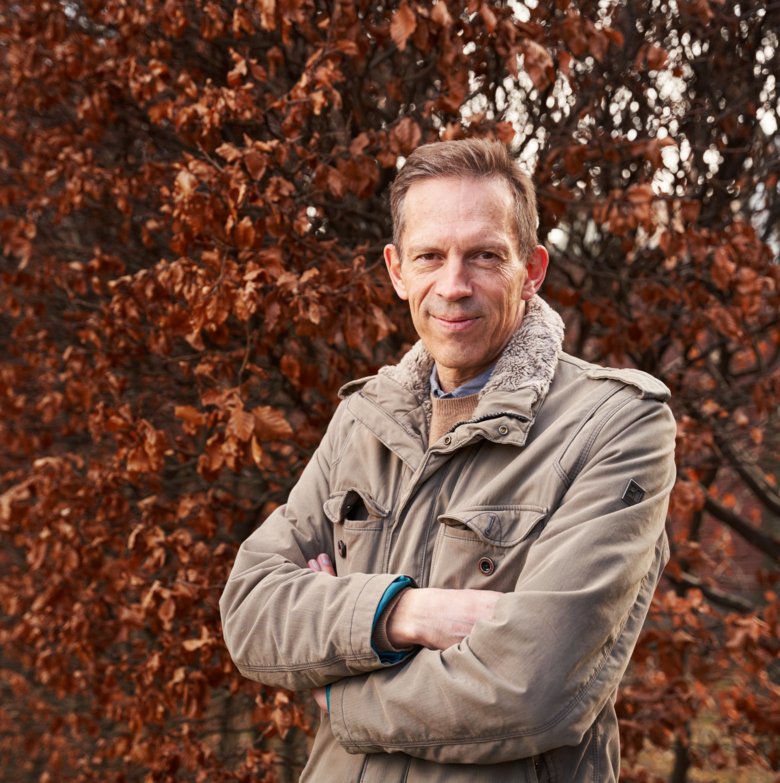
(468, 159)
(466, 258)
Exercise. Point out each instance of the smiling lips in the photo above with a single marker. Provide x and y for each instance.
(455, 323)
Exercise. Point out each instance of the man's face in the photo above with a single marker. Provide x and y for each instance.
(461, 272)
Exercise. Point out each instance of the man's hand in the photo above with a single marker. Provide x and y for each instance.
(438, 618)
(322, 563)
(320, 698)
(432, 617)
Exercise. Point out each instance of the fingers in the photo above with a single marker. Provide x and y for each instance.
(321, 698)
(322, 563)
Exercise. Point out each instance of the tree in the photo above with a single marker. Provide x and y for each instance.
(193, 211)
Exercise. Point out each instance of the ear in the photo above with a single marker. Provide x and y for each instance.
(393, 263)
(535, 269)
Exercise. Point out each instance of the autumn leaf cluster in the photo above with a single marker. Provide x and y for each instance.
(193, 203)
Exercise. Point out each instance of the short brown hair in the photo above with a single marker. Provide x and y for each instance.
(468, 158)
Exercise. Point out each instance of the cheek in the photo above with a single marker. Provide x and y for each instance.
(415, 294)
(506, 307)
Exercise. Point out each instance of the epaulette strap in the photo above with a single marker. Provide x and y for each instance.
(648, 386)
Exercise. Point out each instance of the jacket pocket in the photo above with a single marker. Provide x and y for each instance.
(542, 770)
(484, 547)
(358, 529)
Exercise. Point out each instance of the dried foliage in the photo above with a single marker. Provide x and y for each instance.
(192, 200)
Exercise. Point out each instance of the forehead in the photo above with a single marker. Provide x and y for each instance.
(457, 206)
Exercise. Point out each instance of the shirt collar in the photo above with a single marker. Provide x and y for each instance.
(470, 387)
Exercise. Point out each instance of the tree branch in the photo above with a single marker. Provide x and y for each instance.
(768, 544)
(727, 600)
(760, 488)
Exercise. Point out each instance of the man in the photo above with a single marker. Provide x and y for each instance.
(463, 569)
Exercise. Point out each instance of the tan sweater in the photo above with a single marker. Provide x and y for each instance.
(446, 413)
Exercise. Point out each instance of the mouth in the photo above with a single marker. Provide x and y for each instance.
(455, 323)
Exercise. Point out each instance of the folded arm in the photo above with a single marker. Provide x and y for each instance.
(285, 624)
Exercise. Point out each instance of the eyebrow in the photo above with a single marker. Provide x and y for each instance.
(492, 244)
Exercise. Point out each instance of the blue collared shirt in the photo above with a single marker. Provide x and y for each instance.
(470, 387)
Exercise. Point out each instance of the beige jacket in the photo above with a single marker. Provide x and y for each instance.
(555, 493)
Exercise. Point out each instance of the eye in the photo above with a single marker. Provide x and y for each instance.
(428, 257)
(487, 256)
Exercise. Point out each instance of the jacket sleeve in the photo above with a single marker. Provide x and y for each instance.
(536, 675)
(284, 624)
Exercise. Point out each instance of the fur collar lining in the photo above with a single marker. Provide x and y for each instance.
(528, 361)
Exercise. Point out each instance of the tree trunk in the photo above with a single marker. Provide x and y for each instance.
(682, 759)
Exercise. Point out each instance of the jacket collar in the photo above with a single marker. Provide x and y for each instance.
(527, 363)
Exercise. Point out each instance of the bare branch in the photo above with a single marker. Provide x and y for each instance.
(758, 485)
(768, 544)
(717, 596)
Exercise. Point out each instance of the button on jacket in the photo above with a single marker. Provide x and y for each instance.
(554, 492)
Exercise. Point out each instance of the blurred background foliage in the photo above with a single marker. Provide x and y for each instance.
(193, 203)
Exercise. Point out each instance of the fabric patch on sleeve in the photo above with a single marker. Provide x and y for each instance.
(633, 493)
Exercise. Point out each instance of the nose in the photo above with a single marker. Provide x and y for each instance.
(453, 281)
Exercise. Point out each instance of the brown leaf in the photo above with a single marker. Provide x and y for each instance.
(270, 423)
(598, 43)
(402, 25)
(186, 183)
(167, 610)
(505, 132)
(441, 14)
(255, 163)
(257, 451)
(488, 17)
(229, 152)
(538, 64)
(406, 136)
(241, 424)
(267, 14)
(722, 269)
(205, 640)
(192, 418)
(291, 368)
(245, 233)
(656, 57)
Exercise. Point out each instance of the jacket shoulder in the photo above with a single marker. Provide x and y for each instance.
(352, 386)
(644, 383)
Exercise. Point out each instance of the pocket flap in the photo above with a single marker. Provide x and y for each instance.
(497, 525)
(352, 503)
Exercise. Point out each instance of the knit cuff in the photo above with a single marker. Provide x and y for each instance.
(379, 640)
